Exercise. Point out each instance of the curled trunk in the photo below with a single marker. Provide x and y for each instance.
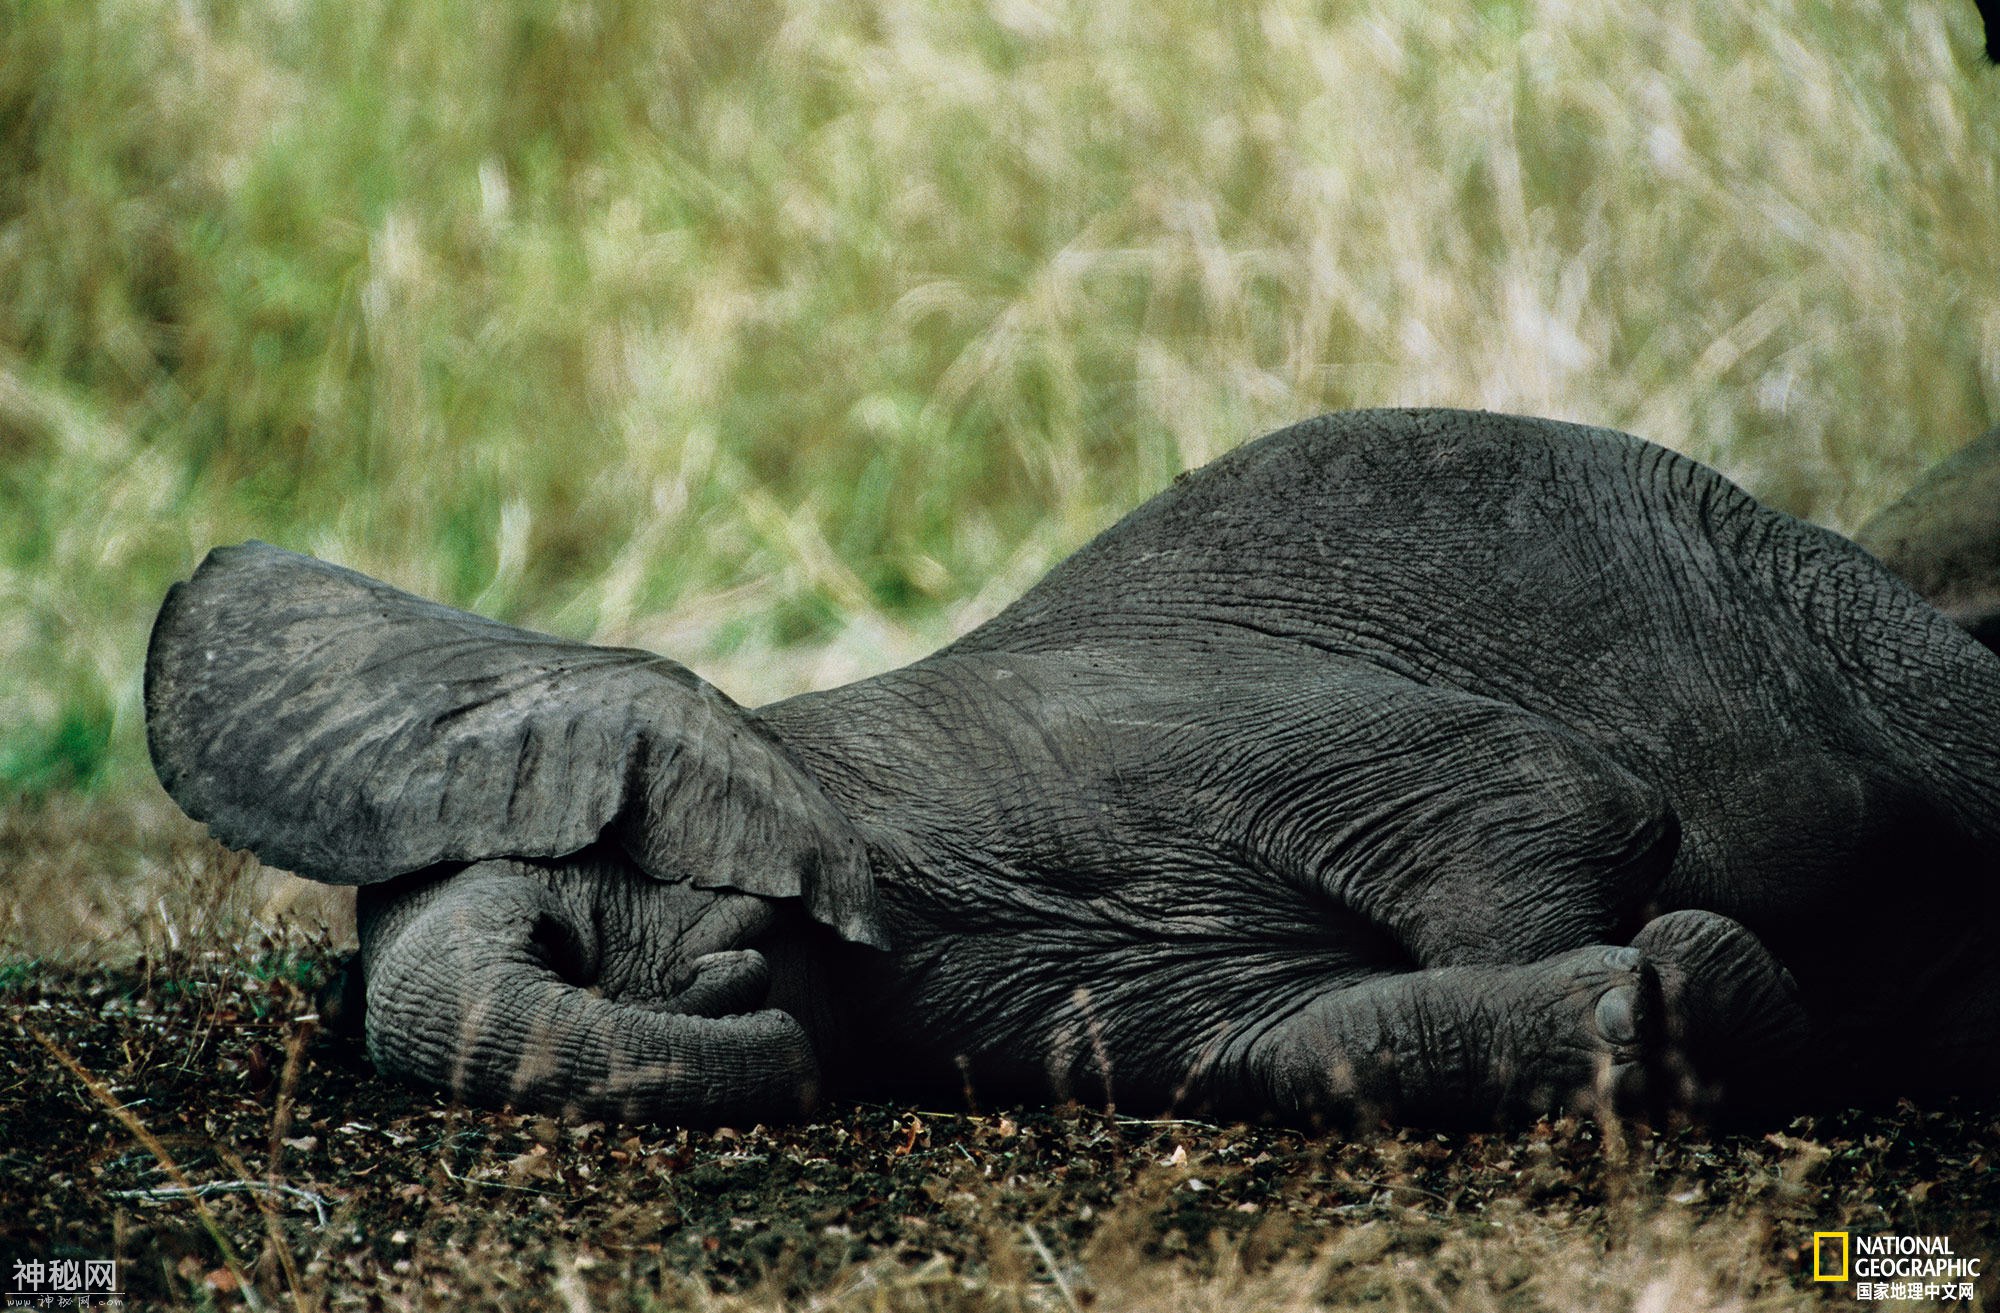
(482, 984)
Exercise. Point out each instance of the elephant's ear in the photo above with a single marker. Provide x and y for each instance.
(348, 731)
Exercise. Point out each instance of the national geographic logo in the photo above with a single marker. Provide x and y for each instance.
(1900, 1267)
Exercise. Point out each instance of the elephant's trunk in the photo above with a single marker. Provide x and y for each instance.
(481, 988)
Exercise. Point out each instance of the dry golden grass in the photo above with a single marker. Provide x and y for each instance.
(795, 337)
(109, 878)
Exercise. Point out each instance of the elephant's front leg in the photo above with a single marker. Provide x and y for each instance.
(1466, 1045)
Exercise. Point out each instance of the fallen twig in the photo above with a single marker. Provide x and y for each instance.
(1124, 1120)
(1049, 1261)
(281, 1121)
(319, 1202)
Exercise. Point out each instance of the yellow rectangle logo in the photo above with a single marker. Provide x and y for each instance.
(1820, 1247)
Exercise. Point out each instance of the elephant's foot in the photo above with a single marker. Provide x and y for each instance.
(1471, 1045)
(1736, 1033)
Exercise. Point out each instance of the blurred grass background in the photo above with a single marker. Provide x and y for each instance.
(792, 338)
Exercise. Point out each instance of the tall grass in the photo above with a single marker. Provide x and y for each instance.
(792, 336)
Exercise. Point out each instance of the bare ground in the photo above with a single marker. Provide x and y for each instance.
(183, 1112)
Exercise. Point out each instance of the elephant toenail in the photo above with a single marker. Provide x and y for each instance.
(1617, 1015)
(1624, 959)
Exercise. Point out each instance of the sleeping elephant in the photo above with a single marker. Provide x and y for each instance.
(1445, 766)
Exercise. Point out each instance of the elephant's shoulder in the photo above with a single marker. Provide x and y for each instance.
(1480, 462)
(1372, 519)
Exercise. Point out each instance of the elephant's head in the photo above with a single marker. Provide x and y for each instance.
(355, 734)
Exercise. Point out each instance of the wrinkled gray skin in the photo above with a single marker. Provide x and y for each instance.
(1445, 766)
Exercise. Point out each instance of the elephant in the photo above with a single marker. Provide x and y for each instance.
(1943, 537)
(1435, 766)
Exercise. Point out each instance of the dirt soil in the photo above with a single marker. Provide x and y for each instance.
(190, 1118)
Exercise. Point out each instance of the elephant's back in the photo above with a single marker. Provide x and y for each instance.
(1443, 543)
(1615, 586)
